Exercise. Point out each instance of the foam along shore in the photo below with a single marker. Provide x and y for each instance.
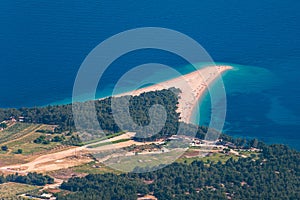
(192, 86)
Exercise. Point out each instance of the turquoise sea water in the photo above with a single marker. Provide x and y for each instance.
(253, 103)
(44, 43)
(254, 106)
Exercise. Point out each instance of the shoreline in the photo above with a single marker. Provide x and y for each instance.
(193, 87)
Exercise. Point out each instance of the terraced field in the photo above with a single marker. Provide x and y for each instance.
(16, 131)
(21, 136)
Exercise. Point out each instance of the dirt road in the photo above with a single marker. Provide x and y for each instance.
(68, 158)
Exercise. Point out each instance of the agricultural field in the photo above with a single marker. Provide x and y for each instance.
(16, 131)
(19, 140)
(10, 191)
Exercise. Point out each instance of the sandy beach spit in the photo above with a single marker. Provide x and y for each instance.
(192, 86)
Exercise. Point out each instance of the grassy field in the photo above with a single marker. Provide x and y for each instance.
(128, 163)
(10, 191)
(215, 157)
(82, 170)
(94, 168)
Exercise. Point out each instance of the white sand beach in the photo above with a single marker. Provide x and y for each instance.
(192, 86)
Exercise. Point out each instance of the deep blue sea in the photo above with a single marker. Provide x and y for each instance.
(43, 44)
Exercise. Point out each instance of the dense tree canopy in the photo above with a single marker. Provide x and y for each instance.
(31, 179)
(274, 175)
(139, 107)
